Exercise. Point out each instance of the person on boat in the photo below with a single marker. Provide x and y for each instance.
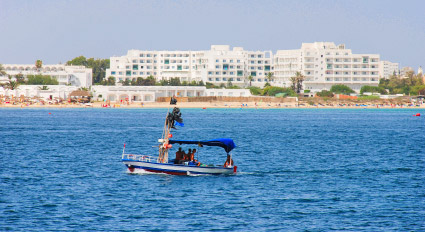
(179, 156)
(186, 156)
(229, 161)
(192, 155)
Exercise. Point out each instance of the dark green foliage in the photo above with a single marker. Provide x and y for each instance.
(109, 81)
(397, 85)
(325, 93)
(341, 89)
(372, 89)
(273, 90)
(255, 90)
(41, 80)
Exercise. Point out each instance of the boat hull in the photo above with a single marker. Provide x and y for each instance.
(176, 169)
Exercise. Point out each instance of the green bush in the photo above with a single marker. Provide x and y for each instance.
(273, 90)
(41, 80)
(341, 89)
(372, 89)
(415, 89)
(325, 93)
(306, 91)
(255, 90)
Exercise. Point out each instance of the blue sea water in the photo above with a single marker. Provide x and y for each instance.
(299, 170)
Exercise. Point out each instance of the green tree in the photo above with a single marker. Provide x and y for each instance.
(250, 78)
(229, 84)
(20, 78)
(297, 82)
(44, 87)
(38, 64)
(78, 61)
(269, 77)
(201, 83)
(10, 84)
(273, 90)
(98, 66)
(255, 90)
(341, 89)
(175, 81)
(127, 82)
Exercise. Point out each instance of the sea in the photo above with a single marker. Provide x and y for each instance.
(298, 170)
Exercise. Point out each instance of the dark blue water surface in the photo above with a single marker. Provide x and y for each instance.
(300, 170)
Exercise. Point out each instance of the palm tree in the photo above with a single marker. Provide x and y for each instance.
(269, 77)
(250, 78)
(2, 72)
(300, 79)
(10, 85)
(297, 82)
(38, 64)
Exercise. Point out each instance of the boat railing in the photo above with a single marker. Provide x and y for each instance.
(145, 158)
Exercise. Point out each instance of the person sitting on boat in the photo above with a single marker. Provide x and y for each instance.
(192, 155)
(229, 161)
(179, 156)
(186, 156)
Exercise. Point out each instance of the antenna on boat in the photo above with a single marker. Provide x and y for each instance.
(168, 124)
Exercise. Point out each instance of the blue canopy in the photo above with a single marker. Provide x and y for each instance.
(227, 144)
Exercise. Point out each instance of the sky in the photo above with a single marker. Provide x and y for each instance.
(57, 31)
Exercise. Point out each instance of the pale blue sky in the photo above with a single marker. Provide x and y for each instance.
(57, 31)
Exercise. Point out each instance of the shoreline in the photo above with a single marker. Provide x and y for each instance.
(217, 105)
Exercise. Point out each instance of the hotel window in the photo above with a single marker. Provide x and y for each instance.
(217, 73)
(210, 79)
(167, 61)
(210, 73)
(238, 79)
(120, 73)
(135, 67)
(128, 73)
(216, 61)
(113, 73)
(134, 73)
(260, 62)
(224, 73)
(363, 73)
(224, 79)
(141, 61)
(225, 66)
(224, 61)
(238, 61)
(328, 79)
(148, 73)
(259, 80)
(346, 73)
(240, 73)
(231, 61)
(345, 66)
(134, 61)
(127, 67)
(253, 74)
(252, 68)
(217, 66)
(238, 67)
(217, 79)
(142, 55)
(231, 73)
(179, 67)
(260, 68)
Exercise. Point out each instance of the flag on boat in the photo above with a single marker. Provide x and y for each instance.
(179, 124)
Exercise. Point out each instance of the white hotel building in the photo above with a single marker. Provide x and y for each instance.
(66, 75)
(218, 65)
(322, 63)
(387, 68)
(325, 64)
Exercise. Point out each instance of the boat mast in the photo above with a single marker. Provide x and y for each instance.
(163, 149)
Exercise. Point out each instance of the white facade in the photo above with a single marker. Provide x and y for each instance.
(387, 68)
(150, 93)
(325, 64)
(66, 75)
(218, 65)
(52, 91)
